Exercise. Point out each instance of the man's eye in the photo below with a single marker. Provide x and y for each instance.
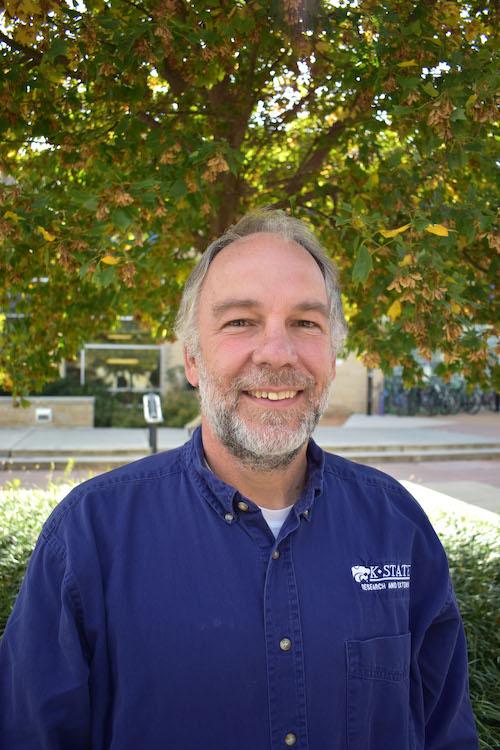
(237, 323)
(307, 324)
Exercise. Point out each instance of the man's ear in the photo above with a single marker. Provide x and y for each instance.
(190, 368)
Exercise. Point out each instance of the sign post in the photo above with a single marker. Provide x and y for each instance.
(152, 414)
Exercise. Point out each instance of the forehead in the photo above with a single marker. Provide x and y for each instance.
(263, 264)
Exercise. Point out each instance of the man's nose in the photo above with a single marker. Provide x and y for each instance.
(274, 347)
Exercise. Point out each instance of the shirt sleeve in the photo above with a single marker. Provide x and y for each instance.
(44, 672)
(443, 665)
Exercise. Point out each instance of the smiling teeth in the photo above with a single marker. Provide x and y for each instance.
(272, 395)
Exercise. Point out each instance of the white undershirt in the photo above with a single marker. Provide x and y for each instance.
(274, 518)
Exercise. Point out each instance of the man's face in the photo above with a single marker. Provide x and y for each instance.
(266, 362)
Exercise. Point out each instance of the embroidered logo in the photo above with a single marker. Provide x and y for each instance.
(377, 577)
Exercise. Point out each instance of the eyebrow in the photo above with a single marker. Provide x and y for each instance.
(229, 304)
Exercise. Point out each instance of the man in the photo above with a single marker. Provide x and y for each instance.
(246, 590)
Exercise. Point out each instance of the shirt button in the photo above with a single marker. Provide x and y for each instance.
(242, 506)
(290, 739)
(285, 644)
(306, 512)
(229, 517)
(276, 554)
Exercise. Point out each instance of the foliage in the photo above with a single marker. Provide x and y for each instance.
(134, 133)
(110, 409)
(473, 549)
(179, 406)
(22, 513)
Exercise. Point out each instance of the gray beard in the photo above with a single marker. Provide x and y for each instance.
(275, 443)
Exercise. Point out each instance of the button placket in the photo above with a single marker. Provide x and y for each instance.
(286, 675)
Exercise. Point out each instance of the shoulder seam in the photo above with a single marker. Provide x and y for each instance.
(69, 582)
(79, 495)
(371, 483)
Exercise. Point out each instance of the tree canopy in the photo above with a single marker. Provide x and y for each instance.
(133, 132)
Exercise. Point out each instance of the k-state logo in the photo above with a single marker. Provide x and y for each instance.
(383, 576)
(360, 573)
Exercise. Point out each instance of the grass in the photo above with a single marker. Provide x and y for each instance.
(472, 545)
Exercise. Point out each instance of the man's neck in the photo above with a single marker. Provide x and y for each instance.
(268, 489)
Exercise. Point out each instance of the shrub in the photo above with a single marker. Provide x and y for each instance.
(472, 545)
(124, 409)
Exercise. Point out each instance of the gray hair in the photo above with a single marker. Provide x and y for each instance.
(275, 222)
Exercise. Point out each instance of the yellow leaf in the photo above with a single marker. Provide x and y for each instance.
(110, 260)
(46, 235)
(11, 215)
(455, 307)
(394, 311)
(437, 229)
(25, 34)
(323, 46)
(393, 232)
(406, 260)
(407, 64)
(27, 7)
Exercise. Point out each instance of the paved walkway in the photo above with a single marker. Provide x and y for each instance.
(416, 449)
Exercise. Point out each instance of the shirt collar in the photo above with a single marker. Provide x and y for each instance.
(222, 496)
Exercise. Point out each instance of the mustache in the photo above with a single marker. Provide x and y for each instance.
(265, 377)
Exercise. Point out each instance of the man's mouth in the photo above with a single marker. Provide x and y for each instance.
(273, 395)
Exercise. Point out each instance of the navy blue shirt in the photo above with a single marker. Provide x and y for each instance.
(159, 611)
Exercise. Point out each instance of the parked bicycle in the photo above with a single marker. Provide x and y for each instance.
(437, 397)
(468, 400)
(398, 399)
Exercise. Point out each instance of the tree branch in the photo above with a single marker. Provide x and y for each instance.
(473, 262)
(148, 120)
(31, 54)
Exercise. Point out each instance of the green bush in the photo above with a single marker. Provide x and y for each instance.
(179, 407)
(473, 550)
(124, 409)
(472, 545)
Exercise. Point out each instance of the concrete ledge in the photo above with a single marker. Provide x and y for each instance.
(432, 500)
(60, 411)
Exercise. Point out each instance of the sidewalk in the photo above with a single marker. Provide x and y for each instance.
(458, 451)
(367, 439)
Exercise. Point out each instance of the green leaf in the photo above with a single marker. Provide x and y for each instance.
(398, 109)
(144, 184)
(430, 89)
(121, 218)
(458, 114)
(362, 266)
(103, 277)
(178, 189)
(91, 204)
(83, 269)
(58, 47)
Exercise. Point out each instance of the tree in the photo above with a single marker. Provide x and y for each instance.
(134, 132)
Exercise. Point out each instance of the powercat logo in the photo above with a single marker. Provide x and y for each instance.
(378, 577)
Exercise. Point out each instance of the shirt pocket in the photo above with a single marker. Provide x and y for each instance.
(378, 690)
